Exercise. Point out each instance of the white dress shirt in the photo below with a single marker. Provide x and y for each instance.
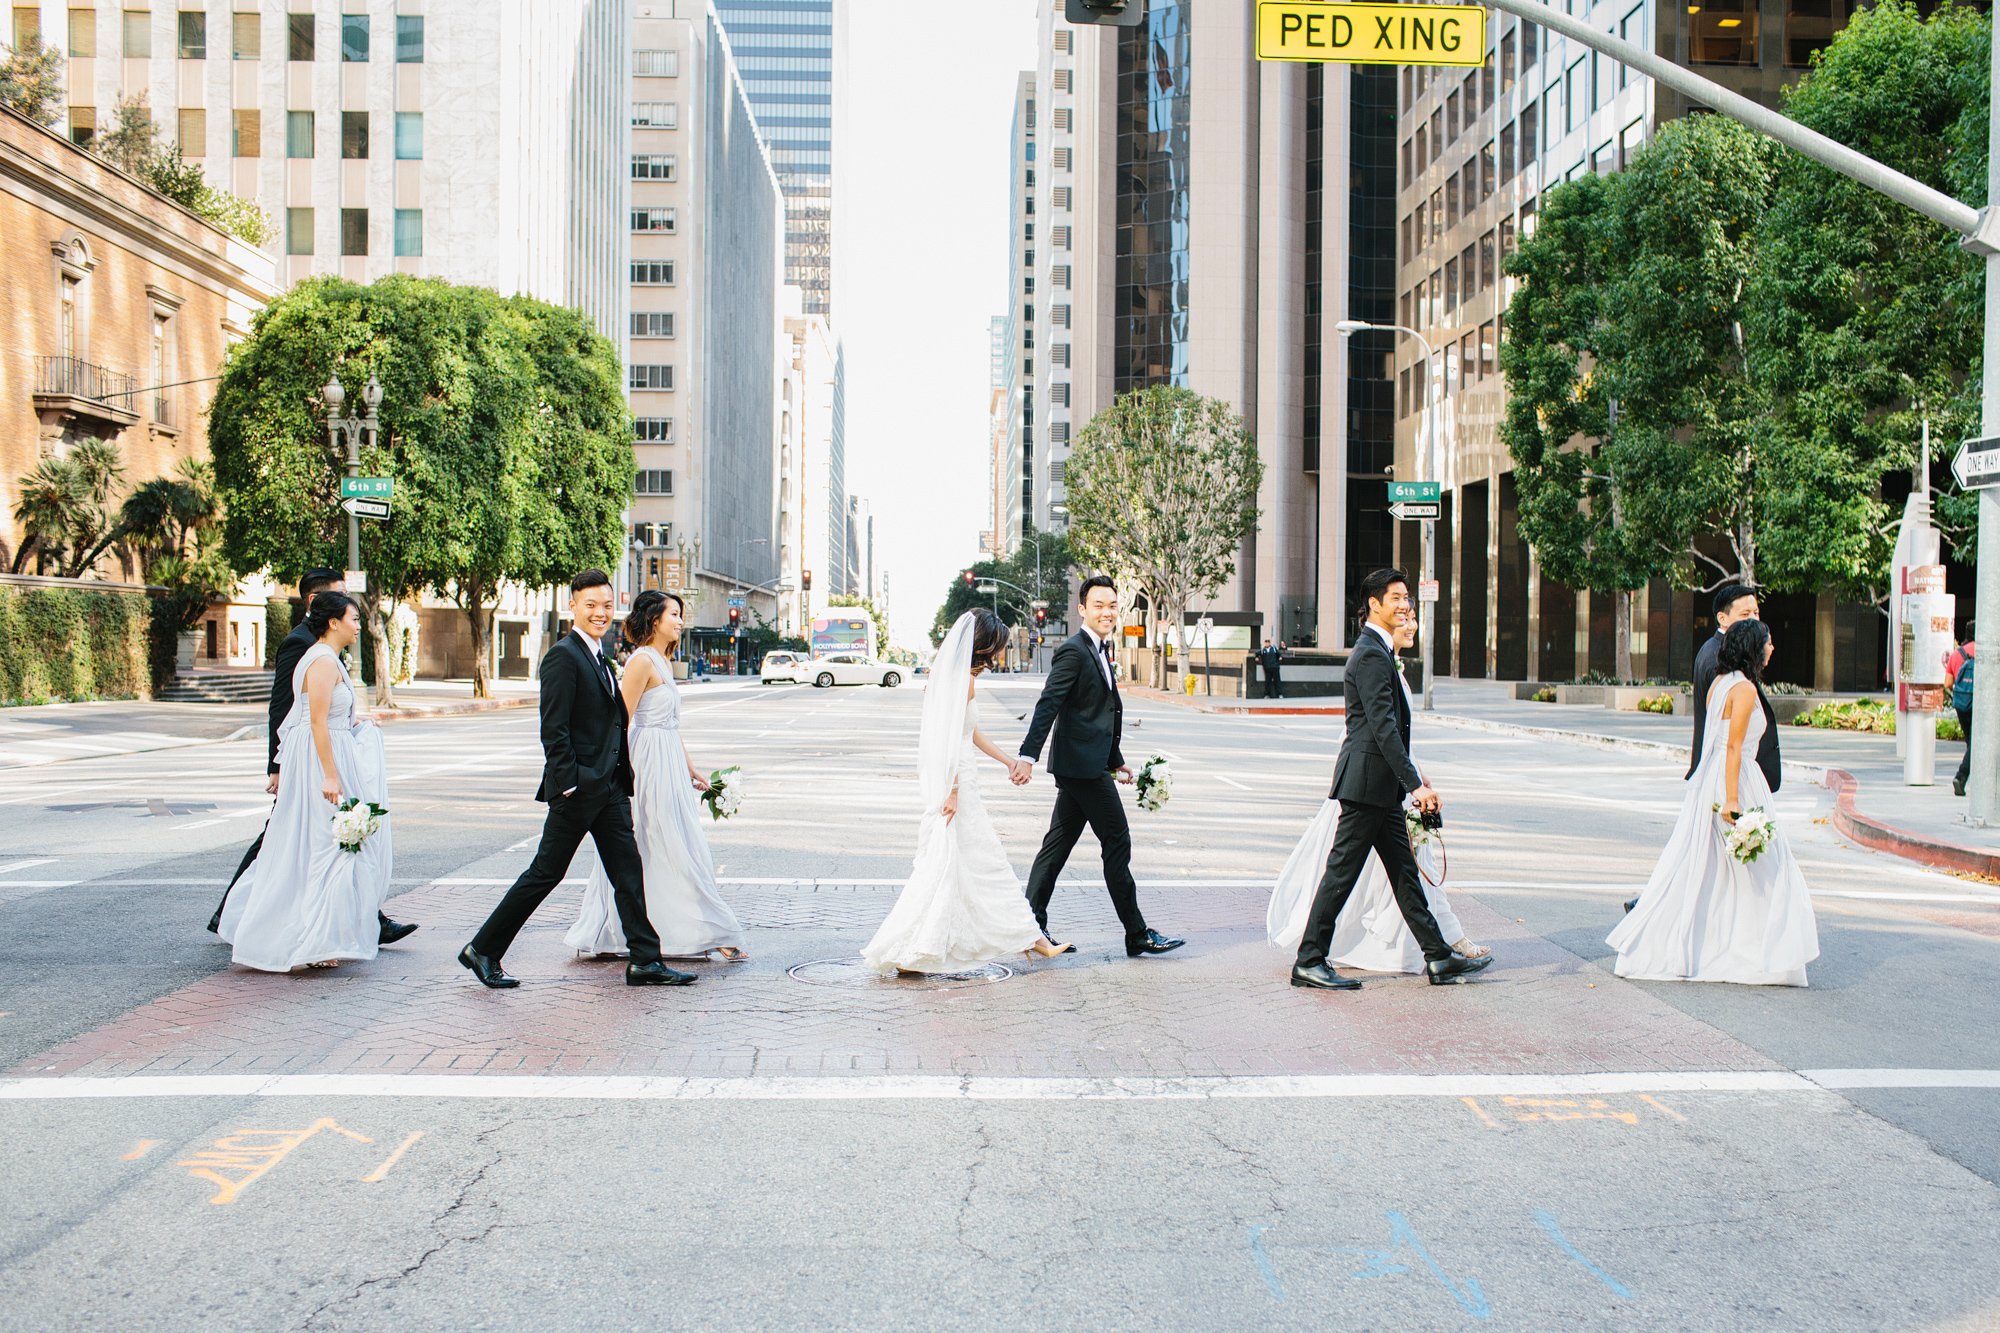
(1103, 665)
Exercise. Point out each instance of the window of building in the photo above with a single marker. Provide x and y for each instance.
(193, 35)
(654, 219)
(1488, 255)
(1059, 237)
(1809, 27)
(1487, 86)
(1404, 310)
(1574, 95)
(410, 231)
(299, 38)
(354, 39)
(410, 39)
(82, 125)
(1450, 286)
(1437, 216)
(69, 288)
(1059, 119)
(653, 430)
(1403, 239)
(246, 39)
(657, 115)
(1507, 154)
(1530, 39)
(653, 481)
(246, 129)
(298, 134)
(1422, 139)
(1530, 144)
(298, 231)
(1060, 159)
(1409, 168)
(160, 375)
(1062, 43)
(1488, 178)
(1467, 278)
(193, 136)
(1059, 80)
(138, 34)
(1422, 226)
(1507, 63)
(655, 167)
(1724, 32)
(1485, 349)
(1451, 118)
(82, 32)
(1631, 28)
(1059, 198)
(653, 273)
(1435, 315)
(1059, 354)
(354, 134)
(410, 135)
(1437, 134)
(1059, 276)
(1451, 380)
(354, 231)
(1059, 394)
(651, 377)
(1058, 432)
(652, 324)
(658, 64)
(1604, 158)
(1059, 316)
(1451, 201)
(1468, 359)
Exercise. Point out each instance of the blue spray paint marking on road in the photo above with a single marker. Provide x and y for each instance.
(1473, 1304)
(1264, 1262)
(1548, 1224)
(1378, 1264)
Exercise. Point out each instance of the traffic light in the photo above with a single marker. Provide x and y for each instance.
(735, 619)
(1041, 616)
(805, 580)
(1118, 13)
(969, 580)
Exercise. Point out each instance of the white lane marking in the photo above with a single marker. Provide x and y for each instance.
(1904, 1078)
(23, 865)
(1232, 782)
(1868, 895)
(895, 1087)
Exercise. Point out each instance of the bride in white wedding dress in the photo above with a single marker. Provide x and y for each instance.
(962, 905)
(1371, 934)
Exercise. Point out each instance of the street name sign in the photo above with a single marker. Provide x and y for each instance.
(986, 589)
(738, 603)
(1402, 513)
(366, 508)
(1364, 34)
(367, 488)
(1422, 492)
(1977, 465)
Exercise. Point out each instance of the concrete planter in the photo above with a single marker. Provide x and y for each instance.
(1581, 694)
(186, 647)
(1785, 707)
(1527, 689)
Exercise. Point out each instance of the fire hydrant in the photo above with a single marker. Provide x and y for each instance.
(1187, 683)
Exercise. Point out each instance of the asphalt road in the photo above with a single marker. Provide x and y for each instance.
(1153, 1202)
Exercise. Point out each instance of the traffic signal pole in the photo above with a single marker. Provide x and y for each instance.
(1978, 231)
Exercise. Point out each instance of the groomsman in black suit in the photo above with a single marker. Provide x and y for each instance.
(587, 782)
(290, 650)
(1370, 780)
(1082, 693)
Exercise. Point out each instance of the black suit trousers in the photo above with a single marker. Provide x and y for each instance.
(1381, 830)
(1092, 801)
(608, 821)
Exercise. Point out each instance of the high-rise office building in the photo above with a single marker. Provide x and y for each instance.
(1020, 515)
(791, 56)
(1477, 149)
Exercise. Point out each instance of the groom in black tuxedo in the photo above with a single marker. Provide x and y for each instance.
(1087, 765)
(1370, 780)
(587, 782)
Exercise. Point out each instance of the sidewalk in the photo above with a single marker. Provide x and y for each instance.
(1872, 805)
(443, 698)
(1330, 705)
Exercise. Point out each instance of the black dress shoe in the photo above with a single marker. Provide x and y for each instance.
(1321, 977)
(486, 969)
(396, 930)
(656, 974)
(1631, 903)
(1958, 786)
(1445, 971)
(1154, 942)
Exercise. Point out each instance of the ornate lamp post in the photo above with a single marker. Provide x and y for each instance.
(338, 426)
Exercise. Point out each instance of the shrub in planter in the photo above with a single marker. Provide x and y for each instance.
(1545, 695)
(278, 622)
(1663, 704)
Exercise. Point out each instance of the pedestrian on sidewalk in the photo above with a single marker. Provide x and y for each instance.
(290, 650)
(1958, 665)
(1271, 657)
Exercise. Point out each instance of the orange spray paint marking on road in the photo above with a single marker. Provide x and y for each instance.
(375, 1177)
(1480, 1111)
(1656, 1106)
(1592, 1108)
(233, 1153)
(145, 1146)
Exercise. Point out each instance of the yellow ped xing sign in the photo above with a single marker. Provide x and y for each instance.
(1371, 34)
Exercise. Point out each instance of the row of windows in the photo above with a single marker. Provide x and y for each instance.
(1431, 302)
(664, 64)
(1464, 364)
(655, 219)
(652, 430)
(246, 36)
(653, 481)
(655, 167)
(652, 273)
(246, 133)
(651, 377)
(652, 323)
(657, 115)
(299, 227)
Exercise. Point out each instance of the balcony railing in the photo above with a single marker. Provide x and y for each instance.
(67, 376)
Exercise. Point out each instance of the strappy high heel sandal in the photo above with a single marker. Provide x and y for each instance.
(1468, 949)
(1053, 949)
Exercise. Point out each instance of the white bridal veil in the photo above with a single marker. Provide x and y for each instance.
(943, 735)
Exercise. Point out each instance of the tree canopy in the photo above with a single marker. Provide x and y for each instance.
(1040, 565)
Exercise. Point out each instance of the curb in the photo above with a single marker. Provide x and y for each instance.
(1201, 703)
(1885, 837)
(383, 716)
(1792, 768)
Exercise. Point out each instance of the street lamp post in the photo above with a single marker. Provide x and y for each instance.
(352, 428)
(1425, 610)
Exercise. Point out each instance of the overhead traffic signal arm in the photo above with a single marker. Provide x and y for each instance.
(1117, 13)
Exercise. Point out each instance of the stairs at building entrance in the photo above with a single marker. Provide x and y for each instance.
(217, 687)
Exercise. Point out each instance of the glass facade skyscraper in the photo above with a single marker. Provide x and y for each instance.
(785, 51)
(1151, 282)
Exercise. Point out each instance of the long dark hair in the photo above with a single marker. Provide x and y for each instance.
(645, 617)
(326, 608)
(1743, 648)
(989, 638)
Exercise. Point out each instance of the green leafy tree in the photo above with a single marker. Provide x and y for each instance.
(31, 81)
(133, 145)
(66, 511)
(1046, 579)
(1162, 491)
(503, 427)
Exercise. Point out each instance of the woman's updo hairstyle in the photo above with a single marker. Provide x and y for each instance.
(326, 608)
(989, 638)
(645, 617)
(1743, 648)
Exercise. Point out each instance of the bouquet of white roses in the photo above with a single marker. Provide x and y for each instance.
(1749, 835)
(356, 821)
(722, 795)
(1154, 783)
(1426, 844)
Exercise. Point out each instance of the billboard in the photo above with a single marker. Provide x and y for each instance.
(843, 634)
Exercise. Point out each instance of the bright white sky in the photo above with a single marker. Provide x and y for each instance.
(921, 267)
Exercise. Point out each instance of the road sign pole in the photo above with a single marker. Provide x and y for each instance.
(1984, 742)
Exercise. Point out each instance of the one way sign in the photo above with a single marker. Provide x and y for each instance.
(1978, 464)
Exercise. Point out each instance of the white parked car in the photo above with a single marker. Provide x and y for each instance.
(780, 668)
(850, 669)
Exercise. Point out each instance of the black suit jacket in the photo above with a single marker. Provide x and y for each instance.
(1093, 716)
(583, 726)
(1706, 669)
(1374, 766)
(289, 652)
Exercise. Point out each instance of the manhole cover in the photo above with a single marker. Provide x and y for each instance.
(854, 973)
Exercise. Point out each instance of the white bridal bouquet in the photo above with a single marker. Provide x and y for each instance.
(1154, 783)
(722, 795)
(1749, 835)
(356, 822)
